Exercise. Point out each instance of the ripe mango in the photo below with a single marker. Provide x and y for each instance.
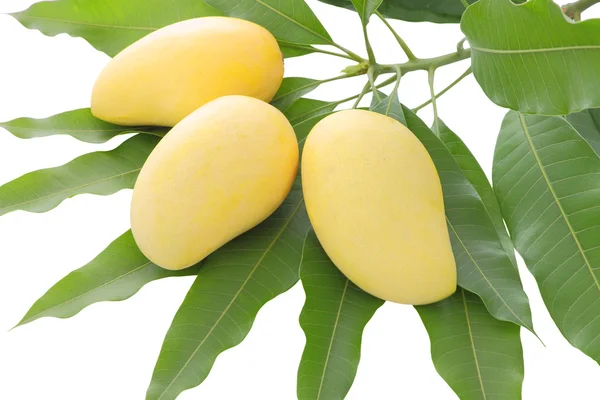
(218, 173)
(163, 77)
(375, 202)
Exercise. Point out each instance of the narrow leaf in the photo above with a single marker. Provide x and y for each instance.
(289, 21)
(483, 265)
(480, 357)
(546, 178)
(366, 8)
(116, 274)
(390, 106)
(474, 173)
(233, 284)
(524, 56)
(304, 114)
(291, 90)
(80, 124)
(100, 173)
(587, 123)
(333, 318)
(109, 25)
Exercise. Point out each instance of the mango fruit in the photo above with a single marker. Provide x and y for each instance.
(165, 76)
(218, 173)
(375, 201)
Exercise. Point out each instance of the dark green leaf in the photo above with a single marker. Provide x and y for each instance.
(587, 124)
(304, 114)
(530, 58)
(483, 265)
(366, 8)
(101, 173)
(416, 10)
(546, 178)
(480, 357)
(80, 124)
(109, 25)
(291, 90)
(333, 318)
(233, 284)
(474, 173)
(115, 274)
(390, 106)
(289, 21)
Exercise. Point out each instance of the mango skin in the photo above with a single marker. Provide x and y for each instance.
(375, 201)
(218, 173)
(165, 76)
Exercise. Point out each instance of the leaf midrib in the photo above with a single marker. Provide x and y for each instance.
(555, 197)
(108, 26)
(337, 319)
(472, 339)
(484, 276)
(234, 298)
(540, 50)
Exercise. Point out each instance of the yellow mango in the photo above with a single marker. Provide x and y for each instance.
(163, 77)
(221, 171)
(375, 201)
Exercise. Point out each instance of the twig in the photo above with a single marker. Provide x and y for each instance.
(436, 121)
(401, 42)
(362, 94)
(446, 89)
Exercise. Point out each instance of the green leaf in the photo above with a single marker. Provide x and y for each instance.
(100, 173)
(80, 124)
(366, 8)
(116, 274)
(333, 318)
(530, 58)
(390, 106)
(109, 25)
(546, 178)
(233, 284)
(480, 357)
(291, 90)
(587, 123)
(474, 173)
(483, 265)
(304, 114)
(289, 21)
(442, 11)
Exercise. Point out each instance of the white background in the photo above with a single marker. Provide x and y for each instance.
(108, 351)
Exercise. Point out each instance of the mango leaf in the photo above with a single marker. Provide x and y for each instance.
(546, 178)
(479, 356)
(100, 173)
(291, 90)
(233, 284)
(483, 265)
(109, 25)
(390, 106)
(304, 114)
(116, 274)
(441, 11)
(333, 318)
(289, 21)
(80, 124)
(474, 173)
(366, 8)
(524, 56)
(587, 123)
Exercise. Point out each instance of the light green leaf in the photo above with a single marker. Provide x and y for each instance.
(524, 56)
(480, 357)
(333, 318)
(442, 11)
(483, 265)
(100, 173)
(80, 124)
(587, 123)
(366, 8)
(474, 173)
(289, 21)
(233, 284)
(109, 25)
(116, 274)
(291, 90)
(546, 178)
